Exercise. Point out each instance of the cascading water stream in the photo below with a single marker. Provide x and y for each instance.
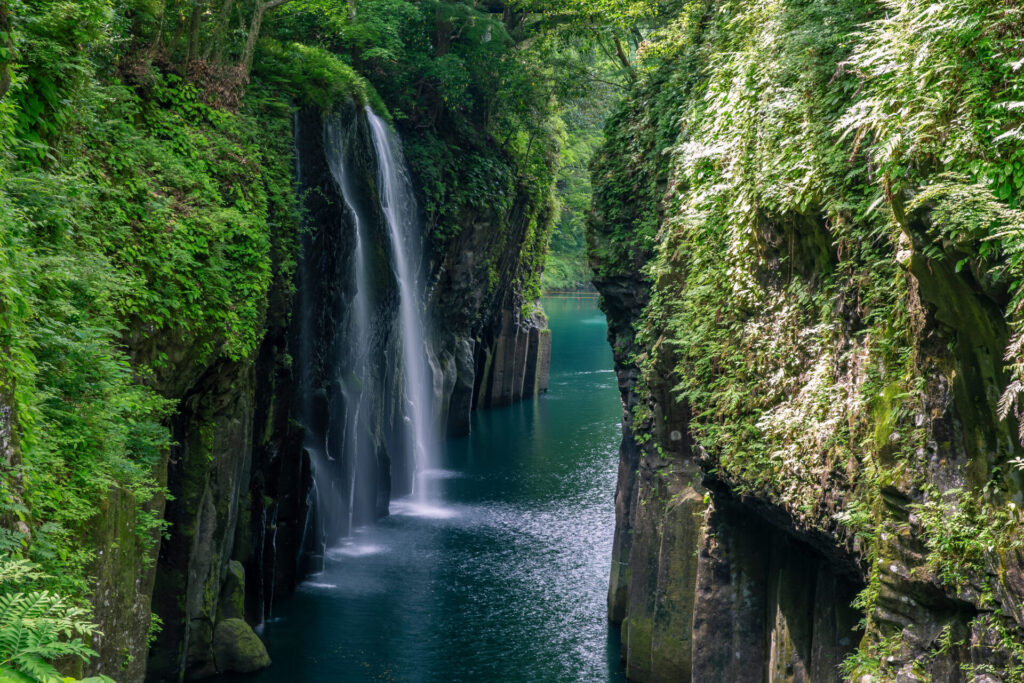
(400, 212)
(357, 447)
(361, 351)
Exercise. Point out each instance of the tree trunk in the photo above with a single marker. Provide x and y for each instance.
(215, 48)
(179, 30)
(442, 35)
(193, 32)
(157, 43)
(254, 31)
(623, 56)
(7, 43)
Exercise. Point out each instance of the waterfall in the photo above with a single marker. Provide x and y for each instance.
(359, 385)
(363, 370)
(401, 215)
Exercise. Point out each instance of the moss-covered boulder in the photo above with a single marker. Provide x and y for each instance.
(237, 649)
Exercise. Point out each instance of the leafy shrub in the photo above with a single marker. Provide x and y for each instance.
(37, 627)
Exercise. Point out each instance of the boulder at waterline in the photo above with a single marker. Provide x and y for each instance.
(237, 649)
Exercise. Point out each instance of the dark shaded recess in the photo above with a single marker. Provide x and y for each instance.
(844, 564)
(768, 606)
(279, 504)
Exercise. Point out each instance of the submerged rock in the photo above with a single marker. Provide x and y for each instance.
(237, 649)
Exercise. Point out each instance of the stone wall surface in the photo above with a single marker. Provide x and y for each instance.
(811, 387)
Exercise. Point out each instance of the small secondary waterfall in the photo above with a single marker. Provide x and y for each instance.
(401, 214)
(358, 384)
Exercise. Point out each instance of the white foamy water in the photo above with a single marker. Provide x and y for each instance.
(414, 508)
(355, 550)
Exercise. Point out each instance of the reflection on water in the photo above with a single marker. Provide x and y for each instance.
(505, 579)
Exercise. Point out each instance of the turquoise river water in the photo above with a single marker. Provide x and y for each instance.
(505, 578)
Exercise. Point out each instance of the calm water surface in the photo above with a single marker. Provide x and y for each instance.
(503, 581)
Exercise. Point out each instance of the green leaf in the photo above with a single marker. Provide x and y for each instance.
(11, 676)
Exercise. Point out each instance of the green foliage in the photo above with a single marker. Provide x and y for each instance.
(631, 168)
(52, 67)
(775, 171)
(942, 88)
(313, 76)
(567, 267)
(140, 229)
(37, 626)
(961, 529)
(479, 120)
(155, 228)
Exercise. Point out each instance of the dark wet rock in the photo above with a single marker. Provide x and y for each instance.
(232, 594)
(237, 649)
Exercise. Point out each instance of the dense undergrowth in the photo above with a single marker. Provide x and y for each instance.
(823, 197)
(138, 222)
(147, 210)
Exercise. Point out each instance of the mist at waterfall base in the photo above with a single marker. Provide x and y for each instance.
(509, 582)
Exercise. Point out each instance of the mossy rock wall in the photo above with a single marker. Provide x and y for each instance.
(209, 474)
(814, 341)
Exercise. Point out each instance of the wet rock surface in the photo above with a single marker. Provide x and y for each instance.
(236, 649)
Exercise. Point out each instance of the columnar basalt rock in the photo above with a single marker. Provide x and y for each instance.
(540, 385)
(518, 366)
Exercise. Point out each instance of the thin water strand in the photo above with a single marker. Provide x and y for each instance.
(357, 448)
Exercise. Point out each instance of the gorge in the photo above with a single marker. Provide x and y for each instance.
(503, 577)
(305, 375)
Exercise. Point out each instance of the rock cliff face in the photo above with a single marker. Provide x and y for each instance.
(243, 526)
(815, 483)
(498, 351)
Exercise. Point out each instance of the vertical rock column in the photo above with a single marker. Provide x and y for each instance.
(521, 362)
(729, 626)
(517, 365)
(543, 360)
(125, 572)
(532, 357)
(209, 472)
(767, 607)
(662, 570)
(502, 364)
(538, 361)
